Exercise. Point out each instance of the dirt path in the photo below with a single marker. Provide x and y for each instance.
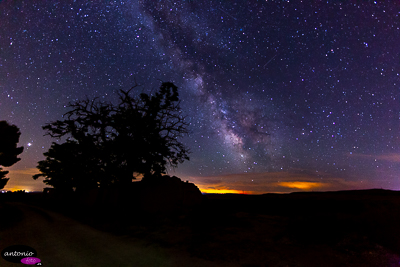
(62, 241)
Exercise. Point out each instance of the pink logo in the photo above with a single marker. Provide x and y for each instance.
(30, 260)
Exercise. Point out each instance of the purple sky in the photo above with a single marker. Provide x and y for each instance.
(280, 96)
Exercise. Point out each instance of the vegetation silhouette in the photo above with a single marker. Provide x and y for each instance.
(106, 144)
(9, 138)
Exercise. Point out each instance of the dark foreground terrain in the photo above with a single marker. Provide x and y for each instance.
(348, 228)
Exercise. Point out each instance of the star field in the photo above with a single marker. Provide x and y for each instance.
(274, 91)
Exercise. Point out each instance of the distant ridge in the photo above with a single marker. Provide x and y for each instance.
(375, 192)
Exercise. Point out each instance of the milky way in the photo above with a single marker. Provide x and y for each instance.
(267, 86)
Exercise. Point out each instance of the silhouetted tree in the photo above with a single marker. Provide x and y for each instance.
(9, 138)
(68, 167)
(108, 143)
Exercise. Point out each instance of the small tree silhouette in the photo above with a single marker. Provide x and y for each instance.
(68, 167)
(9, 138)
(108, 143)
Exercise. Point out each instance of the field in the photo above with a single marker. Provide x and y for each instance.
(346, 228)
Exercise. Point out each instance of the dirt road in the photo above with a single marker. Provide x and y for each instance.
(62, 241)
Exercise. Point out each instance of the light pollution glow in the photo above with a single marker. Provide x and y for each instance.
(248, 183)
(301, 185)
(221, 191)
(284, 182)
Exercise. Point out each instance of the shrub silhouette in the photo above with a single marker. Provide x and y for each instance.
(9, 138)
(107, 143)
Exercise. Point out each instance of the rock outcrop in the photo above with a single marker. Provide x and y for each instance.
(166, 194)
(163, 194)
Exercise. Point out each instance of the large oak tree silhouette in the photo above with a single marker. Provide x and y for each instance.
(107, 143)
(9, 138)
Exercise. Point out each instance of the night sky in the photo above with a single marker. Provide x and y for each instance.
(280, 96)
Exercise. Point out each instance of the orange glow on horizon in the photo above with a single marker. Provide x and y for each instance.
(222, 191)
(301, 185)
(15, 189)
